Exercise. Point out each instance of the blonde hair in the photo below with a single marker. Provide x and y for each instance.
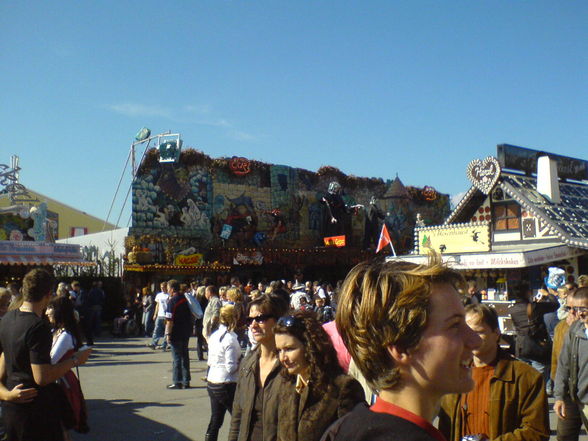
(254, 294)
(385, 304)
(62, 289)
(234, 295)
(228, 316)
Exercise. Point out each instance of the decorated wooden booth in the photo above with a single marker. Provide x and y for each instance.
(525, 212)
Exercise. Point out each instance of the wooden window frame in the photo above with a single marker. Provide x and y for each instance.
(497, 220)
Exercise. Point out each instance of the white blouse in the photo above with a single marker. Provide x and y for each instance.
(224, 355)
(62, 343)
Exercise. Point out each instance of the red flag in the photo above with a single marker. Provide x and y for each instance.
(384, 240)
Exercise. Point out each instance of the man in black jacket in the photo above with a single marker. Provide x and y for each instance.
(178, 328)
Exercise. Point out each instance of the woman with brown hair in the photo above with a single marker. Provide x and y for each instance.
(255, 408)
(317, 391)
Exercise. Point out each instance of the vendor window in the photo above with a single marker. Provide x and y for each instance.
(507, 217)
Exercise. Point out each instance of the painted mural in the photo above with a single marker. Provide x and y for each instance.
(24, 223)
(240, 203)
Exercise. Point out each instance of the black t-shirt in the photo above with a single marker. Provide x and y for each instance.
(25, 338)
(178, 311)
(361, 424)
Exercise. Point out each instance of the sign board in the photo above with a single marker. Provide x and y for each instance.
(189, 260)
(459, 238)
(335, 241)
(513, 259)
(169, 151)
(484, 174)
(523, 159)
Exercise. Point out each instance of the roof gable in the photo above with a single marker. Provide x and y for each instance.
(568, 219)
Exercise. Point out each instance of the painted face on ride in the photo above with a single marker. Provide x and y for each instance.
(291, 354)
(334, 188)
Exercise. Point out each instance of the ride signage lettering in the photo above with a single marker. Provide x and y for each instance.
(189, 259)
(240, 166)
(335, 241)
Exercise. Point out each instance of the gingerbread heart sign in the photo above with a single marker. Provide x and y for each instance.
(484, 174)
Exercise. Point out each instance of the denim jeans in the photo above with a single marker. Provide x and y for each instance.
(221, 400)
(181, 362)
(158, 332)
(147, 322)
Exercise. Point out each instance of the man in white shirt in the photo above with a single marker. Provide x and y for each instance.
(161, 300)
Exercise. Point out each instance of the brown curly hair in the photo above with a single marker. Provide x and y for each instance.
(318, 349)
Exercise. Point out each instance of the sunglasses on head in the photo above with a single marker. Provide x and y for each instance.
(289, 321)
(259, 319)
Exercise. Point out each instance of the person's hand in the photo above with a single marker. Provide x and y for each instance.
(333, 220)
(83, 356)
(20, 395)
(559, 408)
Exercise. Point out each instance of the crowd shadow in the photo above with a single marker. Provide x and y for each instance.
(119, 420)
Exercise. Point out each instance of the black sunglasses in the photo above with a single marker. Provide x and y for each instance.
(259, 319)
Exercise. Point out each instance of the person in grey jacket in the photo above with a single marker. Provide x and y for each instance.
(212, 311)
(571, 381)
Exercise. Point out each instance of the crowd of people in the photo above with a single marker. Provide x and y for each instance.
(380, 356)
(288, 359)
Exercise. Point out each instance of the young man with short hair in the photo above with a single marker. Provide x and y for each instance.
(404, 325)
(30, 409)
(508, 399)
(178, 328)
(161, 300)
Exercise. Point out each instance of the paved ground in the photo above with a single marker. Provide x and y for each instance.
(125, 387)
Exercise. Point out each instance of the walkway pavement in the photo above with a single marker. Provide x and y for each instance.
(125, 387)
(124, 383)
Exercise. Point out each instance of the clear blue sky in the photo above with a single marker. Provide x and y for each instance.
(375, 88)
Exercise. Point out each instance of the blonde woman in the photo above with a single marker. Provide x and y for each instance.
(224, 354)
(235, 297)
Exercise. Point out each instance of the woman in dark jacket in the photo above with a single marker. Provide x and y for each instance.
(317, 391)
(255, 407)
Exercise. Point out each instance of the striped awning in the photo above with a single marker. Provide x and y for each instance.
(41, 253)
(41, 260)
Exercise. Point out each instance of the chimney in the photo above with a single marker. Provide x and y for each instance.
(547, 180)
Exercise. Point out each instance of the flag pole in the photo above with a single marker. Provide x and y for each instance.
(392, 246)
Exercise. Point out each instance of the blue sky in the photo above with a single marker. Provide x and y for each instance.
(375, 88)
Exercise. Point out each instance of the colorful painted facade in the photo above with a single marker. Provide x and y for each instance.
(203, 205)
